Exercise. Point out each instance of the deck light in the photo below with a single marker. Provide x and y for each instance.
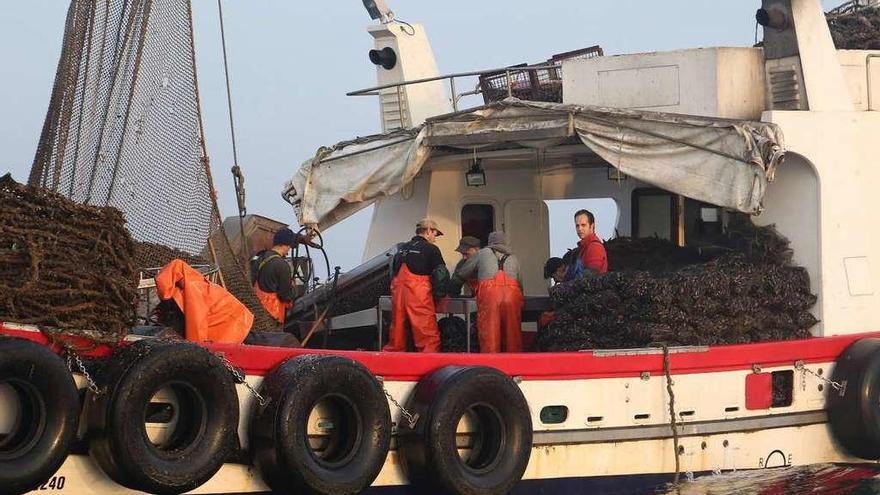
(475, 177)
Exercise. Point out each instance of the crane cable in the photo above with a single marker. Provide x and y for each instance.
(237, 175)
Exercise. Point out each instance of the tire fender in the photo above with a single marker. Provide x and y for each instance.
(341, 401)
(500, 440)
(853, 412)
(34, 378)
(205, 417)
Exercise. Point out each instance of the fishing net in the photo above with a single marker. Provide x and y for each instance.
(124, 129)
(65, 265)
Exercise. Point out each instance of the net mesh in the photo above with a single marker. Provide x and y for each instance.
(124, 129)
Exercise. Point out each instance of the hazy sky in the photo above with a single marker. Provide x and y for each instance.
(292, 62)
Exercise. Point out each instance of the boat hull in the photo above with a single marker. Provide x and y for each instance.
(616, 434)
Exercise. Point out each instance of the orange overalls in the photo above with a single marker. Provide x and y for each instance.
(412, 300)
(499, 312)
(276, 308)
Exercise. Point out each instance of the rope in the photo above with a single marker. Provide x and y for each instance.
(672, 423)
(237, 175)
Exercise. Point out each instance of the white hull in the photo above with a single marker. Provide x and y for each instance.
(617, 448)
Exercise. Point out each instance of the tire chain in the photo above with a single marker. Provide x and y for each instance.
(411, 418)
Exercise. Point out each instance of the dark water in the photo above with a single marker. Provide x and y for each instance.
(826, 479)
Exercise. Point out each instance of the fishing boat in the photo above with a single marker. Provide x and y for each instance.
(665, 135)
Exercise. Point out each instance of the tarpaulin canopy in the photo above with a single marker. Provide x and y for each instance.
(719, 161)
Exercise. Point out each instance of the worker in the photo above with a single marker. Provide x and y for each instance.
(419, 274)
(467, 247)
(273, 281)
(499, 295)
(555, 269)
(592, 258)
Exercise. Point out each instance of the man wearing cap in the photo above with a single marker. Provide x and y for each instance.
(467, 247)
(419, 274)
(273, 281)
(499, 295)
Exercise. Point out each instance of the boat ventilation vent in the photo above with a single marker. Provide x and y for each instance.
(786, 88)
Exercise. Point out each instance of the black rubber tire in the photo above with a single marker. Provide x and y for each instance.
(208, 405)
(503, 447)
(278, 432)
(39, 443)
(855, 414)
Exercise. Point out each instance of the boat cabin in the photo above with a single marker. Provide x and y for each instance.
(676, 140)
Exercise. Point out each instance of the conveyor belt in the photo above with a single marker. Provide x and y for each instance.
(357, 289)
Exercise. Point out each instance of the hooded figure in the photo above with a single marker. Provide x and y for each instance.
(499, 295)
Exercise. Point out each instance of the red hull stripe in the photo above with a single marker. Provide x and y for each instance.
(256, 360)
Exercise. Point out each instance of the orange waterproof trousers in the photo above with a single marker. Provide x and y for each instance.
(499, 314)
(273, 304)
(412, 301)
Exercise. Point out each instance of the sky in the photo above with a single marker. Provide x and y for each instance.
(292, 62)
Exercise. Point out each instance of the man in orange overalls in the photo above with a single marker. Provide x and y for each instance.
(467, 247)
(418, 269)
(273, 281)
(499, 295)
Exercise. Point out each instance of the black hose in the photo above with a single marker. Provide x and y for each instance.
(330, 303)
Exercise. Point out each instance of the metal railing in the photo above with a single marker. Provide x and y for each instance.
(508, 72)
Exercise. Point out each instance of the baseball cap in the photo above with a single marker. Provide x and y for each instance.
(284, 237)
(466, 243)
(427, 223)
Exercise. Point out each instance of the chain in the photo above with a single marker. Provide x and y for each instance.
(73, 358)
(839, 386)
(411, 418)
(240, 378)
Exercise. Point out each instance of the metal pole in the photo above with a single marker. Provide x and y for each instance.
(868, 71)
(509, 84)
(679, 220)
(454, 98)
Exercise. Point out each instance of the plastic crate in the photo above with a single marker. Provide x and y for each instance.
(519, 81)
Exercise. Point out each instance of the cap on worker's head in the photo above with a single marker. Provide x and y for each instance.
(284, 237)
(551, 266)
(466, 243)
(427, 223)
(497, 237)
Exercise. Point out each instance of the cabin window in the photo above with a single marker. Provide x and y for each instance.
(561, 221)
(659, 213)
(653, 214)
(478, 220)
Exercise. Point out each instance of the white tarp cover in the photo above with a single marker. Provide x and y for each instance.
(723, 162)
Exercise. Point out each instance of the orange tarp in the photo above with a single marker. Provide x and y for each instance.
(212, 314)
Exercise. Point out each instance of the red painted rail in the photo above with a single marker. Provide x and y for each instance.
(257, 360)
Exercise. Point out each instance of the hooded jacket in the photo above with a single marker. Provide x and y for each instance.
(483, 265)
